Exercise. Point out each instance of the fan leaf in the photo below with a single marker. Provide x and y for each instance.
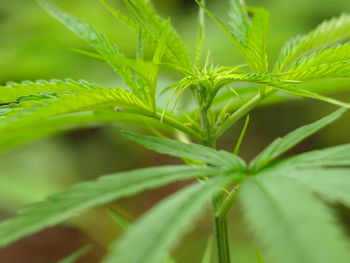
(281, 145)
(162, 226)
(191, 151)
(328, 33)
(291, 222)
(84, 196)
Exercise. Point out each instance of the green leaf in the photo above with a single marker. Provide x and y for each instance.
(305, 93)
(335, 156)
(163, 227)
(13, 90)
(241, 136)
(76, 255)
(119, 219)
(326, 34)
(105, 48)
(62, 124)
(325, 172)
(208, 252)
(33, 111)
(292, 224)
(84, 196)
(260, 258)
(200, 36)
(247, 34)
(145, 17)
(329, 70)
(250, 34)
(191, 151)
(281, 145)
(331, 184)
(332, 54)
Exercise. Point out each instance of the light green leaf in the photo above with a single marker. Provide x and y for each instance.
(332, 184)
(325, 71)
(163, 227)
(32, 111)
(208, 253)
(281, 145)
(250, 34)
(119, 219)
(84, 196)
(332, 54)
(260, 258)
(191, 151)
(305, 93)
(145, 17)
(13, 90)
(105, 48)
(328, 33)
(292, 224)
(256, 42)
(335, 156)
(64, 123)
(76, 255)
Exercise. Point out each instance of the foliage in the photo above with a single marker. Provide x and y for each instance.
(277, 196)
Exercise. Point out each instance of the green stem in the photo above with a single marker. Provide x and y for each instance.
(207, 127)
(221, 234)
(171, 122)
(238, 114)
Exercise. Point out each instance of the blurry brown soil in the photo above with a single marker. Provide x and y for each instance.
(50, 246)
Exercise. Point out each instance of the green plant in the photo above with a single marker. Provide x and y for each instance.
(277, 195)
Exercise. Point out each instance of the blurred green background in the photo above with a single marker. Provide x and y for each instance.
(35, 46)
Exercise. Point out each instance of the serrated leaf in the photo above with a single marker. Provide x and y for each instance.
(250, 33)
(105, 48)
(84, 196)
(191, 151)
(332, 54)
(29, 112)
(162, 226)
(76, 255)
(145, 17)
(331, 184)
(331, 70)
(335, 156)
(61, 124)
(305, 93)
(281, 145)
(247, 33)
(14, 90)
(328, 33)
(292, 224)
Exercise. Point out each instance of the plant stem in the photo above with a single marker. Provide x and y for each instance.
(207, 127)
(221, 235)
(238, 114)
(170, 122)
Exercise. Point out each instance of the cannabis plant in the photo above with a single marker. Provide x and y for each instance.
(285, 201)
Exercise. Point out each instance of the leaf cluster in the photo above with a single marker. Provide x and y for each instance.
(283, 200)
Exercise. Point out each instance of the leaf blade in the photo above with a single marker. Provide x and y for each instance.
(281, 145)
(83, 196)
(185, 204)
(292, 232)
(190, 151)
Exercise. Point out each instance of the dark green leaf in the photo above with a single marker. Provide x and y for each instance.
(191, 151)
(281, 145)
(83, 196)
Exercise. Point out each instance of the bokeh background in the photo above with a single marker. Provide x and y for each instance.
(35, 46)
